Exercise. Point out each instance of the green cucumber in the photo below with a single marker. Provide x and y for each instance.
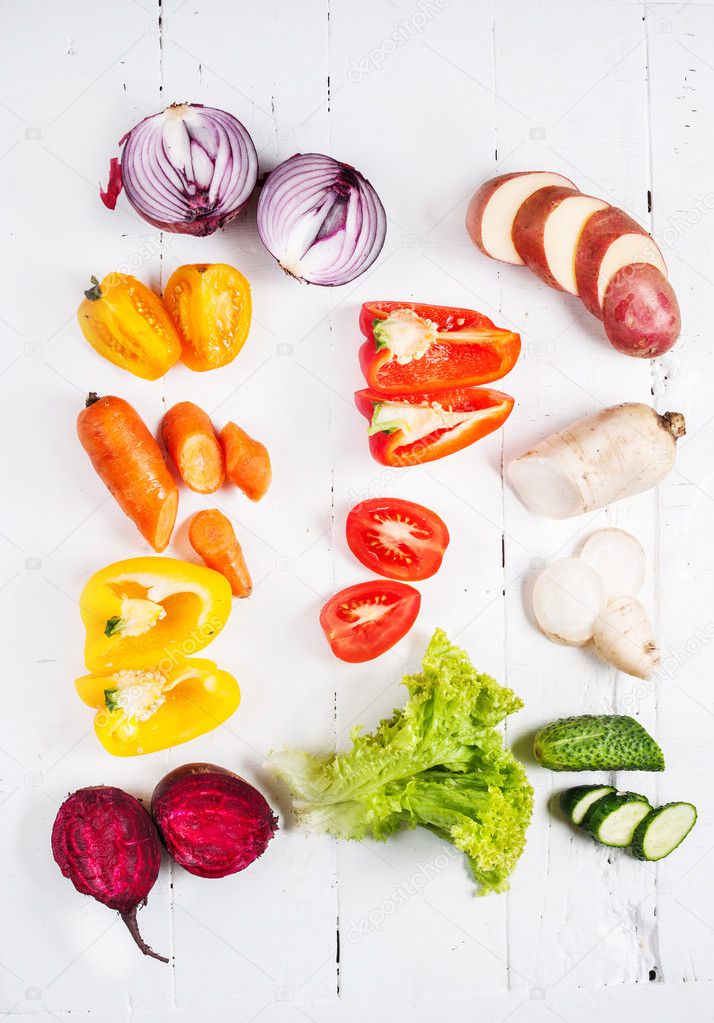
(577, 801)
(604, 742)
(662, 830)
(612, 820)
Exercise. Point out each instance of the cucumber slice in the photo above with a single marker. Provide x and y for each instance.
(662, 830)
(576, 802)
(613, 818)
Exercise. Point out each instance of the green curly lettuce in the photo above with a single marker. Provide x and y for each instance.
(436, 763)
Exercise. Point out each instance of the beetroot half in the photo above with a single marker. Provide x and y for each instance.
(212, 822)
(106, 843)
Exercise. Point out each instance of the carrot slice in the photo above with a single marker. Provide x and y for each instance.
(212, 537)
(192, 443)
(128, 461)
(247, 461)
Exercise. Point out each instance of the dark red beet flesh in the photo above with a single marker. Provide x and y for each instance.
(106, 843)
(212, 822)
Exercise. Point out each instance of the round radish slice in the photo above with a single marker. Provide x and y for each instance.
(493, 208)
(567, 598)
(618, 557)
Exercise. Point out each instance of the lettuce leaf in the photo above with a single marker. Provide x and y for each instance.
(436, 763)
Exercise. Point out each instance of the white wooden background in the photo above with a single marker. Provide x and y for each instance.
(427, 98)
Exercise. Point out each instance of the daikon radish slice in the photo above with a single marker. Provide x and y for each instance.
(567, 598)
(620, 560)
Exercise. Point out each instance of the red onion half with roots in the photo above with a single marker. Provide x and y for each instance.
(212, 822)
(106, 843)
(321, 219)
(189, 169)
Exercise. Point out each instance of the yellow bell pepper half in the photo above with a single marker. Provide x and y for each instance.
(151, 613)
(146, 710)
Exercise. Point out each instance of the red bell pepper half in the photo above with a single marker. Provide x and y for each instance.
(409, 429)
(412, 348)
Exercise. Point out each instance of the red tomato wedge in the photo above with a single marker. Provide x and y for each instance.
(397, 539)
(364, 621)
(412, 348)
(409, 429)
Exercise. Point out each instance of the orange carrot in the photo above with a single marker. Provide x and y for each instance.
(247, 461)
(130, 464)
(192, 443)
(213, 539)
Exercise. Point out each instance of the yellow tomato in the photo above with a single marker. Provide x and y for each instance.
(125, 322)
(211, 307)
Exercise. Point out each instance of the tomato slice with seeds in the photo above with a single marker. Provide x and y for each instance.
(364, 621)
(397, 539)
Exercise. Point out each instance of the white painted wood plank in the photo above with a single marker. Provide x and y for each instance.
(615, 1004)
(377, 119)
(87, 79)
(274, 644)
(575, 122)
(682, 93)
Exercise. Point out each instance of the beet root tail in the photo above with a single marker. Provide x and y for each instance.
(133, 928)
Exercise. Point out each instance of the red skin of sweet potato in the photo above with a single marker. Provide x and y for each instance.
(601, 230)
(529, 229)
(477, 205)
(640, 312)
(106, 843)
(212, 822)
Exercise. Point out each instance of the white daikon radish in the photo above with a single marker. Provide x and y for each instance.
(568, 596)
(612, 454)
(619, 559)
(624, 637)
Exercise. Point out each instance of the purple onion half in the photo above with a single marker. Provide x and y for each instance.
(321, 219)
(189, 169)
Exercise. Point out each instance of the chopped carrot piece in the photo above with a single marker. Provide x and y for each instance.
(212, 537)
(247, 461)
(192, 443)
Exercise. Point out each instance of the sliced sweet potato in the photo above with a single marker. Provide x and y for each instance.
(610, 240)
(640, 312)
(493, 209)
